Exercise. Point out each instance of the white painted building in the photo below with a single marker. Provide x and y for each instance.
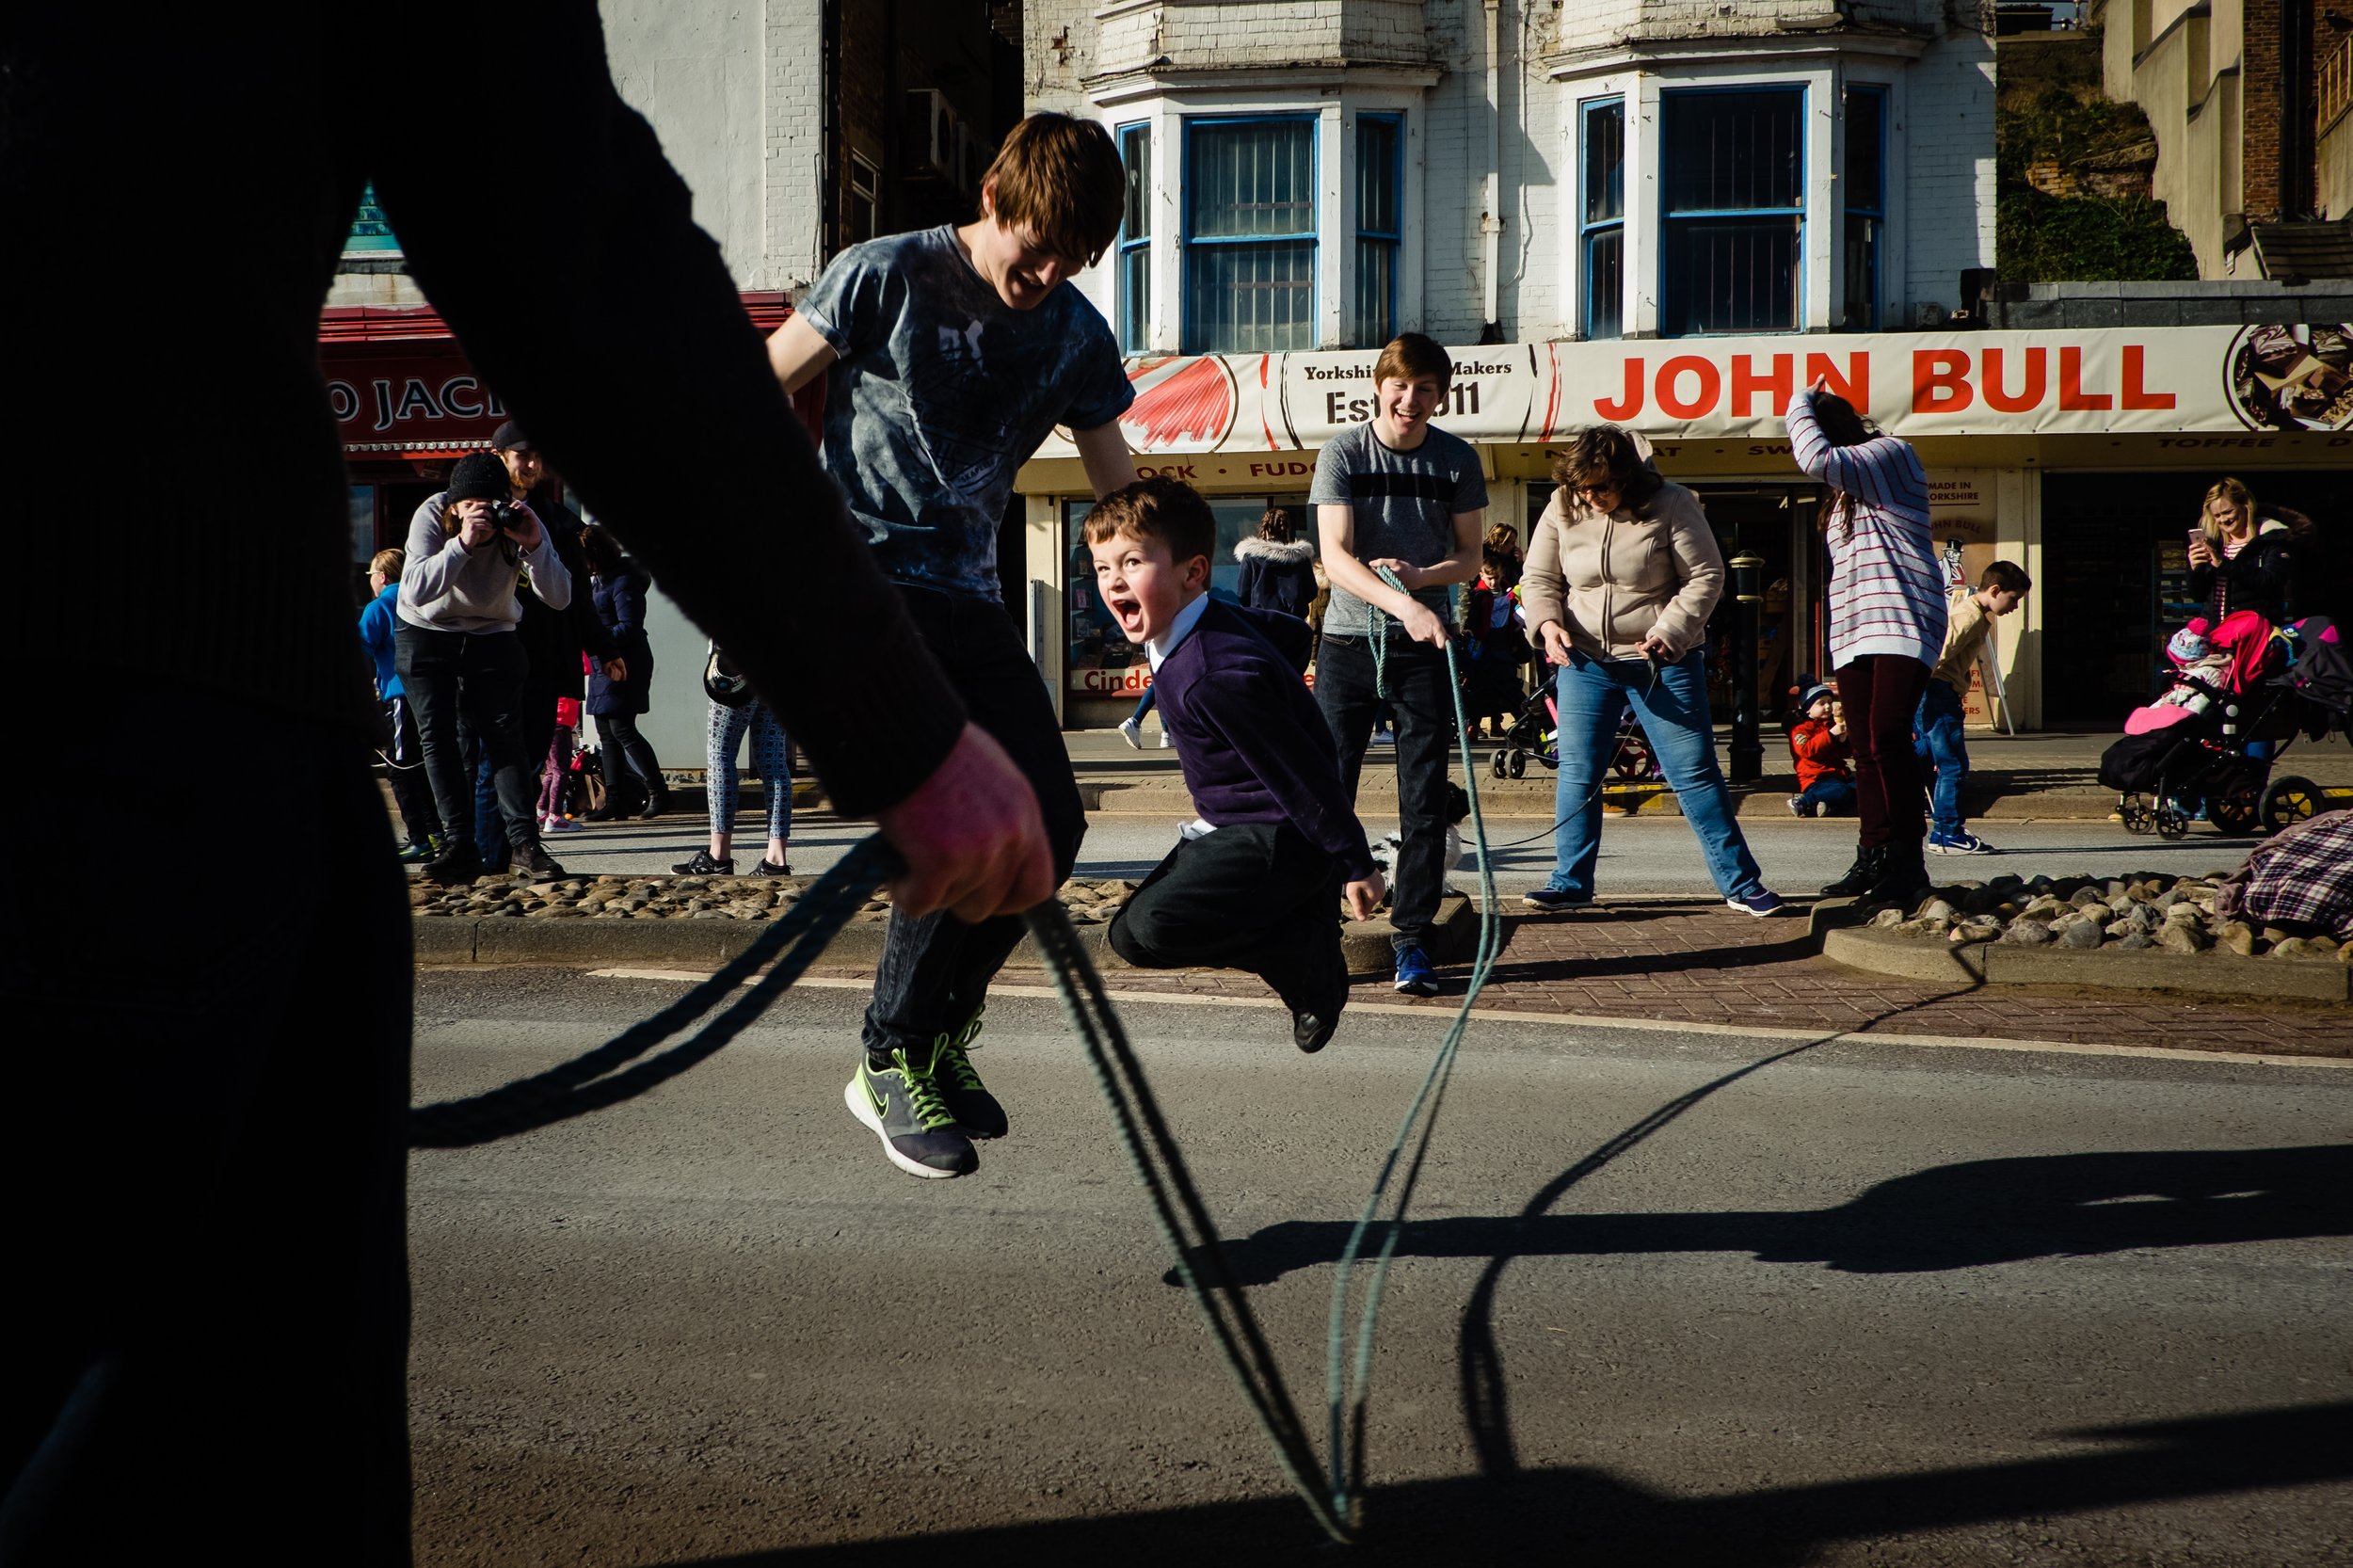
(1518, 170)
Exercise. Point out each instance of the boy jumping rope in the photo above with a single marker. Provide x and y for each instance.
(953, 353)
(1401, 493)
(1937, 726)
(1258, 890)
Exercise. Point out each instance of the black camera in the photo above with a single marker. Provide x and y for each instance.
(506, 514)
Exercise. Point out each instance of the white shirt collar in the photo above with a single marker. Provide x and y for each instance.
(1157, 651)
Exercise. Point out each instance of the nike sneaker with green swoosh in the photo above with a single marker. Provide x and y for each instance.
(975, 1108)
(901, 1105)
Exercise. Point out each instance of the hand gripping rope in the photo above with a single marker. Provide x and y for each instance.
(1179, 1211)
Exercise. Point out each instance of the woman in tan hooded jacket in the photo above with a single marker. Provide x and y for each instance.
(1622, 574)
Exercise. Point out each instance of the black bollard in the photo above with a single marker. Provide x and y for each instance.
(1748, 751)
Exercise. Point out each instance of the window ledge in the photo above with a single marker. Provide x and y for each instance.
(1292, 80)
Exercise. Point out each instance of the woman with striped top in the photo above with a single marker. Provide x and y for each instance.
(1886, 626)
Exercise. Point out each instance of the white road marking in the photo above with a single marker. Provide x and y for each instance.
(1588, 1020)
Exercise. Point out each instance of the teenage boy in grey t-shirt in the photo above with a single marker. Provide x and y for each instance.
(1399, 494)
(953, 353)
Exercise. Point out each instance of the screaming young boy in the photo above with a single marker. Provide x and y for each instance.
(1261, 889)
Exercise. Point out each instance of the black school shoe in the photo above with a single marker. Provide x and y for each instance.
(1316, 1003)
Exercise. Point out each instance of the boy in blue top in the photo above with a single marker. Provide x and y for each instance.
(952, 352)
(1256, 883)
(1401, 493)
(404, 761)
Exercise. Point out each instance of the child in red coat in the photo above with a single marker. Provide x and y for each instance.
(1820, 744)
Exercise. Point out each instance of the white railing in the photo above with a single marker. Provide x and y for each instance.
(2336, 84)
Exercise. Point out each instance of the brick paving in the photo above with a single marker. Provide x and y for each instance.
(1677, 960)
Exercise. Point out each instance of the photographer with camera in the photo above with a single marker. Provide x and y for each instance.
(461, 660)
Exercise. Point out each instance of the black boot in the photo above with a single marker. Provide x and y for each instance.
(1903, 877)
(1865, 870)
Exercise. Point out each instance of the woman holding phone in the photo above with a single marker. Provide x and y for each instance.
(2237, 562)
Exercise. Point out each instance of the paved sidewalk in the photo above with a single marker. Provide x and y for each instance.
(1686, 961)
(2045, 774)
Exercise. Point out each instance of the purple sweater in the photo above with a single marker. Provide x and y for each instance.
(1253, 744)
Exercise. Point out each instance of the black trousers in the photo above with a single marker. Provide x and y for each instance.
(1423, 700)
(205, 1134)
(624, 755)
(934, 971)
(405, 763)
(1258, 897)
(456, 677)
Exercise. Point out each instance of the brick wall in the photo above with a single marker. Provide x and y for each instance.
(1950, 172)
(793, 118)
(2261, 110)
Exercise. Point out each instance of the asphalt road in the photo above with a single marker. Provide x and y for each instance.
(1646, 856)
(1669, 1299)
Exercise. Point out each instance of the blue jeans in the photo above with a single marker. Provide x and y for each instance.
(1593, 695)
(1937, 740)
(1837, 793)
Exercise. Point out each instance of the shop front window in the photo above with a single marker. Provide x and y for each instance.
(1101, 661)
(362, 522)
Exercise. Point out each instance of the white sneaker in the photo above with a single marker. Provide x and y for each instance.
(560, 824)
(1133, 732)
(1167, 740)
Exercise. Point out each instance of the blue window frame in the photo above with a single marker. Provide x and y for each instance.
(1732, 225)
(1249, 234)
(1379, 226)
(1601, 214)
(1136, 241)
(1863, 183)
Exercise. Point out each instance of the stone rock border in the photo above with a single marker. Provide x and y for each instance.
(698, 920)
(2143, 932)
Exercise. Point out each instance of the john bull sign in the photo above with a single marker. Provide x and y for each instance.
(2169, 380)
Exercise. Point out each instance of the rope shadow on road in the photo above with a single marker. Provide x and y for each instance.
(1570, 1515)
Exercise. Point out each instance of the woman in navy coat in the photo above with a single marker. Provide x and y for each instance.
(632, 776)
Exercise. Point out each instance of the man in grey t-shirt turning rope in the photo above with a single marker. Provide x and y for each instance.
(1399, 494)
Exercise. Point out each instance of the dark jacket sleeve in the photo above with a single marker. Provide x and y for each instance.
(608, 323)
(2258, 576)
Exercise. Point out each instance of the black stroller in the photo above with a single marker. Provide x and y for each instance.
(1534, 737)
(2164, 779)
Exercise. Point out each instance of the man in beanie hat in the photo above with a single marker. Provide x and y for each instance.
(213, 1335)
(553, 639)
(462, 661)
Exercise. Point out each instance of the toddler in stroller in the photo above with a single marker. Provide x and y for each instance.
(2206, 744)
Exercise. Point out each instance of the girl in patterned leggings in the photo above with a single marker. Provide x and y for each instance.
(773, 756)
